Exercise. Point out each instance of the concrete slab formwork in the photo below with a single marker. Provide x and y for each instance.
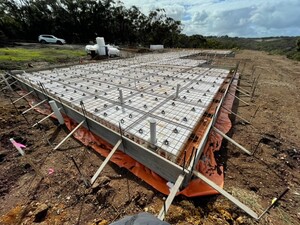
(216, 53)
(128, 93)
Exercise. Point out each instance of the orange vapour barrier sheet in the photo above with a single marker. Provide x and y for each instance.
(206, 165)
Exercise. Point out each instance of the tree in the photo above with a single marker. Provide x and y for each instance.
(79, 21)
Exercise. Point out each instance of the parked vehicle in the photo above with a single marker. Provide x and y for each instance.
(46, 38)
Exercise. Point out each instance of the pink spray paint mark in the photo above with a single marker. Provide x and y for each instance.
(50, 171)
(18, 145)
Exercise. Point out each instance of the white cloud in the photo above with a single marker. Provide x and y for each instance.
(199, 17)
(230, 17)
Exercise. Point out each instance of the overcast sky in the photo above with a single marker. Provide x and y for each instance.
(243, 18)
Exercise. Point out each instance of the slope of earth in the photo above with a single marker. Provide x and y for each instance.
(273, 136)
(61, 197)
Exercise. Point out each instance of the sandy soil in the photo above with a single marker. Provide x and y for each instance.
(61, 197)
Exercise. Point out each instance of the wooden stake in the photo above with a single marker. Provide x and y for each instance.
(232, 141)
(34, 106)
(76, 128)
(246, 121)
(227, 195)
(22, 97)
(239, 98)
(171, 197)
(105, 162)
(243, 89)
(42, 119)
(242, 92)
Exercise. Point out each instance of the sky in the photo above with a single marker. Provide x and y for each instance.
(235, 18)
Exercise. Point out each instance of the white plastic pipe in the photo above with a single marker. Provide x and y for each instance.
(56, 111)
(152, 131)
(121, 97)
(177, 90)
(101, 45)
(100, 41)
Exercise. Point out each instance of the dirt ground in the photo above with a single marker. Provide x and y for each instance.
(61, 197)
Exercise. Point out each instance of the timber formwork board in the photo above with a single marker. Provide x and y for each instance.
(148, 84)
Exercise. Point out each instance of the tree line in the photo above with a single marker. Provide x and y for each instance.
(80, 21)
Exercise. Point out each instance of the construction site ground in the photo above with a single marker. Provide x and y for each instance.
(62, 198)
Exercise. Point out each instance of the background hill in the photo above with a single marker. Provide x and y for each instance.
(288, 46)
